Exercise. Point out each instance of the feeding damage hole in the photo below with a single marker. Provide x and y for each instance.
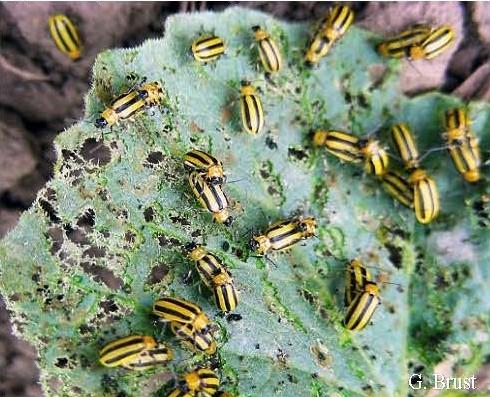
(298, 154)
(377, 74)
(103, 275)
(87, 219)
(154, 159)
(180, 220)
(270, 142)
(395, 255)
(55, 234)
(47, 207)
(149, 214)
(164, 241)
(321, 354)
(76, 235)
(96, 152)
(61, 362)
(157, 273)
(130, 239)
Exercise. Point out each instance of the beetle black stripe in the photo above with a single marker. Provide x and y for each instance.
(423, 207)
(268, 49)
(431, 195)
(183, 304)
(206, 200)
(217, 197)
(147, 364)
(384, 161)
(364, 310)
(456, 115)
(235, 297)
(248, 120)
(172, 312)
(224, 294)
(65, 46)
(334, 138)
(204, 39)
(255, 101)
(324, 43)
(127, 104)
(460, 153)
(442, 33)
(124, 355)
(202, 157)
(394, 186)
(210, 48)
(212, 265)
(371, 165)
(284, 235)
(163, 350)
(74, 40)
(279, 226)
(344, 20)
(123, 345)
(406, 144)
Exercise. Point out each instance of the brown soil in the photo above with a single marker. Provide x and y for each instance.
(41, 92)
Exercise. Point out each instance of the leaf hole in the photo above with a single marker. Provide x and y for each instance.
(395, 255)
(153, 159)
(87, 219)
(158, 273)
(270, 142)
(130, 238)
(103, 194)
(94, 252)
(77, 235)
(103, 275)
(61, 362)
(55, 235)
(297, 154)
(109, 306)
(166, 242)
(180, 220)
(69, 155)
(149, 214)
(95, 152)
(49, 210)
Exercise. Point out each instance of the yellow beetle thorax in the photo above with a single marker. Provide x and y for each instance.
(212, 348)
(320, 137)
(417, 176)
(247, 90)
(221, 279)
(193, 380)
(309, 227)
(215, 171)
(149, 342)
(200, 322)
(263, 244)
(261, 35)
(417, 52)
(154, 91)
(372, 289)
(197, 253)
(221, 217)
(355, 264)
(472, 176)
(370, 148)
(456, 133)
(110, 116)
(331, 34)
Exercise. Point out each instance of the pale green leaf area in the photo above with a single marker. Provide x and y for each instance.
(86, 271)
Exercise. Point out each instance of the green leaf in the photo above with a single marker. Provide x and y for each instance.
(105, 236)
